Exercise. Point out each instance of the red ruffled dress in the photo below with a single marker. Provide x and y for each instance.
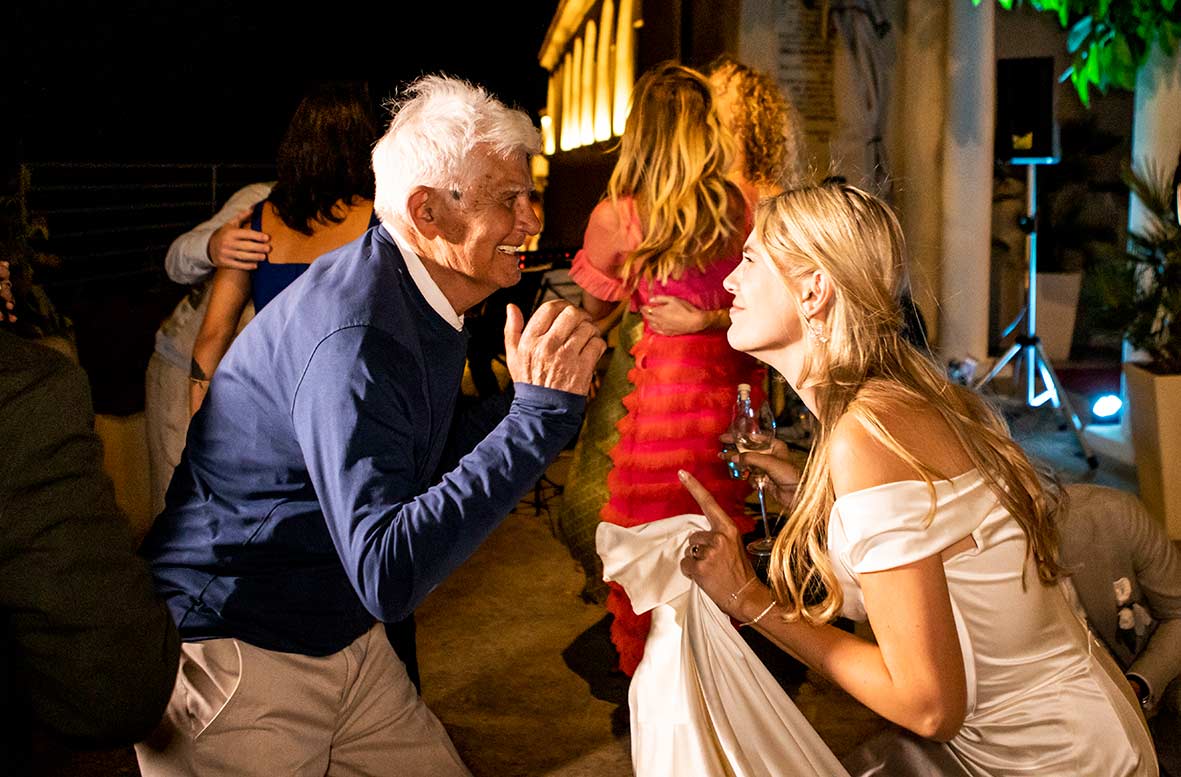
(683, 395)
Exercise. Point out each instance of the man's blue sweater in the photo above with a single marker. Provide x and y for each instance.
(308, 503)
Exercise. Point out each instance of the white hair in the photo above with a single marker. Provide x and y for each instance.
(437, 123)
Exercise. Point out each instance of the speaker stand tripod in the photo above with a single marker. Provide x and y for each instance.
(1028, 346)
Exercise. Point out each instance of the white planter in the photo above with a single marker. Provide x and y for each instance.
(1057, 305)
(1154, 405)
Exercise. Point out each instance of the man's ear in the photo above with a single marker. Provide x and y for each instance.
(422, 206)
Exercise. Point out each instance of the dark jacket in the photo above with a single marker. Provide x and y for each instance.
(89, 652)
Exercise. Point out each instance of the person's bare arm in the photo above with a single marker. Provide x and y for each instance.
(604, 313)
(914, 675)
(596, 266)
(674, 316)
(227, 300)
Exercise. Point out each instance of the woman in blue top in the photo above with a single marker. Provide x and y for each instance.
(323, 199)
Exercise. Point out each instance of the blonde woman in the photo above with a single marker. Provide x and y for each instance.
(916, 510)
(670, 228)
(767, 135)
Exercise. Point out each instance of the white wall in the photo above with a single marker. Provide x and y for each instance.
(967, 181)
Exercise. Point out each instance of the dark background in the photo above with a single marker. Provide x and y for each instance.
(101, 90)
(214, 80)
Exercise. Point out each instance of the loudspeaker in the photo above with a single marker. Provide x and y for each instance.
(1026, 131)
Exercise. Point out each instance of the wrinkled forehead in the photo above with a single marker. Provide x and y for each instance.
(485, 172)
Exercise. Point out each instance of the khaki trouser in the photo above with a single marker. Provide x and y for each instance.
(240, 710)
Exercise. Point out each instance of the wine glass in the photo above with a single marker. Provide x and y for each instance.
(757, 435)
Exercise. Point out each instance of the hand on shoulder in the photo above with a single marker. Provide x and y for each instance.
(235, 245)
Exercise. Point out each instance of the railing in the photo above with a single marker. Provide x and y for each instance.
(116, 220)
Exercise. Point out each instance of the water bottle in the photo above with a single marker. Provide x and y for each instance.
(739, 419)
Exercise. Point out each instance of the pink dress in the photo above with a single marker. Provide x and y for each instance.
(684, 389)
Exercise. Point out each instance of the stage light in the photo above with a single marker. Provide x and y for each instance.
(1107, 408)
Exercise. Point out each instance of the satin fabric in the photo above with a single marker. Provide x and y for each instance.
(701, 702)
(1043, 697)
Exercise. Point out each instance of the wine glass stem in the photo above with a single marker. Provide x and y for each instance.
(763, 508)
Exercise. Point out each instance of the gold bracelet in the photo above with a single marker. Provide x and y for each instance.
(759, 617)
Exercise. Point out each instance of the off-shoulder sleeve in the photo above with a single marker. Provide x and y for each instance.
(892, 525)
(612, 232)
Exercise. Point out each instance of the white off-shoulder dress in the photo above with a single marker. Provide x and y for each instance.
(1043, 697)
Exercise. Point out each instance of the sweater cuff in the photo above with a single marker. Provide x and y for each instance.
(548, 398)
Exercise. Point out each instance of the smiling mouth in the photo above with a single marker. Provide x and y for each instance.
(506, 249)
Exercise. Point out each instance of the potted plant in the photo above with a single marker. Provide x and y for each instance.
(1141, 292)
(1109, 40)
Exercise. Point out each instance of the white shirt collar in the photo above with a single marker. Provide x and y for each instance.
(423, 280)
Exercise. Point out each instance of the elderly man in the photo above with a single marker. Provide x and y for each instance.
(327, 485)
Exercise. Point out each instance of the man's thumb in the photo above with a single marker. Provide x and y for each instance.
(514, 324)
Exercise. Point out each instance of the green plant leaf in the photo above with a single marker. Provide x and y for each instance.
(1102, 69)
(1080, 86)
(1113, 37)
(1079, 33)
(1091, 70)
(1167, 38)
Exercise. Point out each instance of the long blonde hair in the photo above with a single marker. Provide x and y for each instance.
(673, 159)
(869, 370)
